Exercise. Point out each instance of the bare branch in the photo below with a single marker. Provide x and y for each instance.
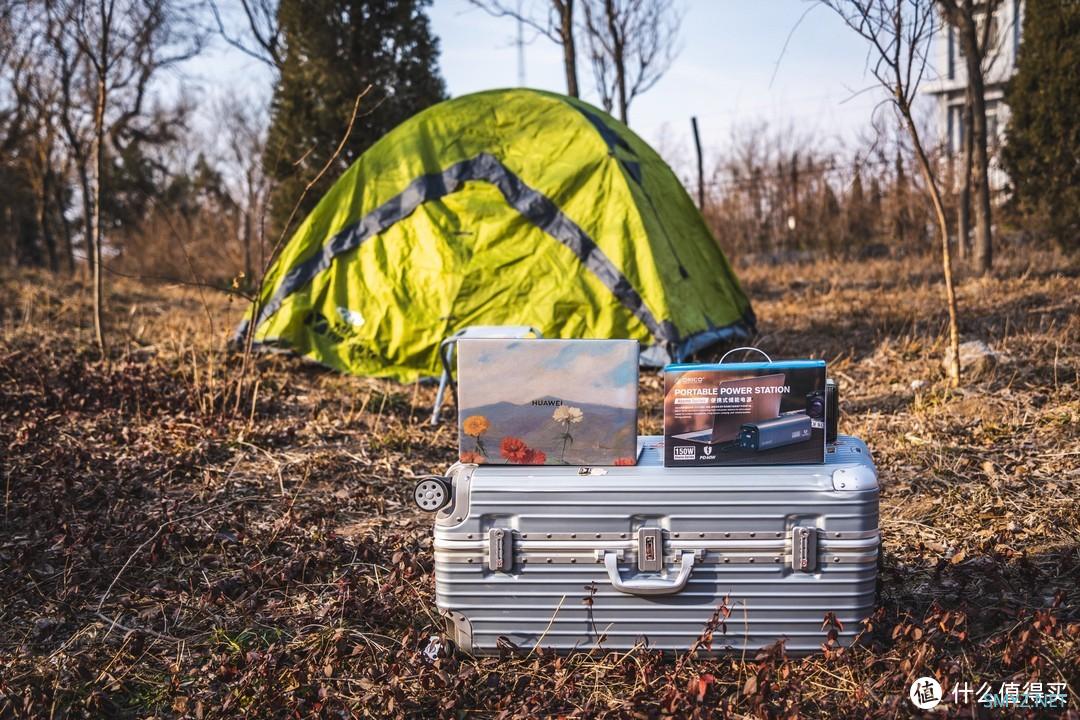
(262, 23)
(899, 32)
(554, 19)
(632, 43)
(546, 24)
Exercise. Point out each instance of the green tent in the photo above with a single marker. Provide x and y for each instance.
(506, 207)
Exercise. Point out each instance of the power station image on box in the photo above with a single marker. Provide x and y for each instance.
(775, 433)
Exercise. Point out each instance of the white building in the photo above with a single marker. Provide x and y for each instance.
(1000, 65)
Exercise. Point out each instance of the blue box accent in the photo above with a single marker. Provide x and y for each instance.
(774, 365)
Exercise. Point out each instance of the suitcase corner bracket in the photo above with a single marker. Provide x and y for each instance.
(854, 479)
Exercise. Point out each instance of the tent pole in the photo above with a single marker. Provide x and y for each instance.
(700, 166)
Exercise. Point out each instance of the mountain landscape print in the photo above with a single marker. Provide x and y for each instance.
(548, 402)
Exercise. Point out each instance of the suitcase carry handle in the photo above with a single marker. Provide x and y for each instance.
(745, 347)
(650, 586)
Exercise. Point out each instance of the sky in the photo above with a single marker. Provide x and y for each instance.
(789, 63)
(733, 70)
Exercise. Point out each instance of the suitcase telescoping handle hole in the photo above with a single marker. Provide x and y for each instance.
(649, 586)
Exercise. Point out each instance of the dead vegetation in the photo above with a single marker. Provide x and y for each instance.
(163, 555)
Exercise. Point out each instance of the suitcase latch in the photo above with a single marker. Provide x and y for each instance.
(500, 549)
(650, 552)
(804, 549)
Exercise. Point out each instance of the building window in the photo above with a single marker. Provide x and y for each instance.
(995, 43)
(949, 149)
(954, 129)
(992, 129)
(950, 34)
(959, 109)
(1017, 21)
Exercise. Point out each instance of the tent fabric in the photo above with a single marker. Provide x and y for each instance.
(507, 207)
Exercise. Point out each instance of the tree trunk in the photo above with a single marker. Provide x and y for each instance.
(65, 228)
(946, 254)
(41, 201)
(618, 47)
(900, 210)
(794, 220)
(969, 39)
(566, 32)
(11, 251)
(86, 186)
(95, 218)
(983, 245)
(963, 206)
(246, 225)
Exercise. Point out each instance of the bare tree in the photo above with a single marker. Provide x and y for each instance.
(16, 122)
(42, 160)
(95, 36)
(899, 33)
(15, 62)
(260, 16)
(245, 143)
(70, 68)
(34, 89)
(108, 52)
(631, 45)
(976, 46)
(554, 19)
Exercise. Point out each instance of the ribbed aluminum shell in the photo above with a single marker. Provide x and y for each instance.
(737, 522)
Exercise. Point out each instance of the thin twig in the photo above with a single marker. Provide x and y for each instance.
(153, 537)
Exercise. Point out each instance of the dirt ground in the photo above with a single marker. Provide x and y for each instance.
(171, 548)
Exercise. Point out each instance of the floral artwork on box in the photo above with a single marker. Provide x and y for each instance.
(548, 402)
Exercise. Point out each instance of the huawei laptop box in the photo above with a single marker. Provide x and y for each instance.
(760, 413)
(547, 402)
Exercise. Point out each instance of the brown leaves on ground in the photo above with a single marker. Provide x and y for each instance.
(164, 554)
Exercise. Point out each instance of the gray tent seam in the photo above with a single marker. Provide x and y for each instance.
(532, 204)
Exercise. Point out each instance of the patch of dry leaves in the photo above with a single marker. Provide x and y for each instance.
(166, 551)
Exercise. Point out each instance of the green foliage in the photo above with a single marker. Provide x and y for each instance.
(334, 49)
(1042, 153)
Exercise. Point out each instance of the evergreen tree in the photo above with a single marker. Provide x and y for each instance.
(858, 221)
(334, 49)
(1042, 151)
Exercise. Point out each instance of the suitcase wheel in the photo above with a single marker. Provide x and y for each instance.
(431, 493)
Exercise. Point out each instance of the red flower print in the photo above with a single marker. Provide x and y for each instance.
(513, 449)
(534, 457)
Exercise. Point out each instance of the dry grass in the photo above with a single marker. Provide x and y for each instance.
(163, 555)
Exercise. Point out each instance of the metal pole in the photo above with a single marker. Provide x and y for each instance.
(700, 166)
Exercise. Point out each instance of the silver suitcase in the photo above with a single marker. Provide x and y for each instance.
(577, 558)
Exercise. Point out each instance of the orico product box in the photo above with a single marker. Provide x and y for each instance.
(760, 413)
(548, 402)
